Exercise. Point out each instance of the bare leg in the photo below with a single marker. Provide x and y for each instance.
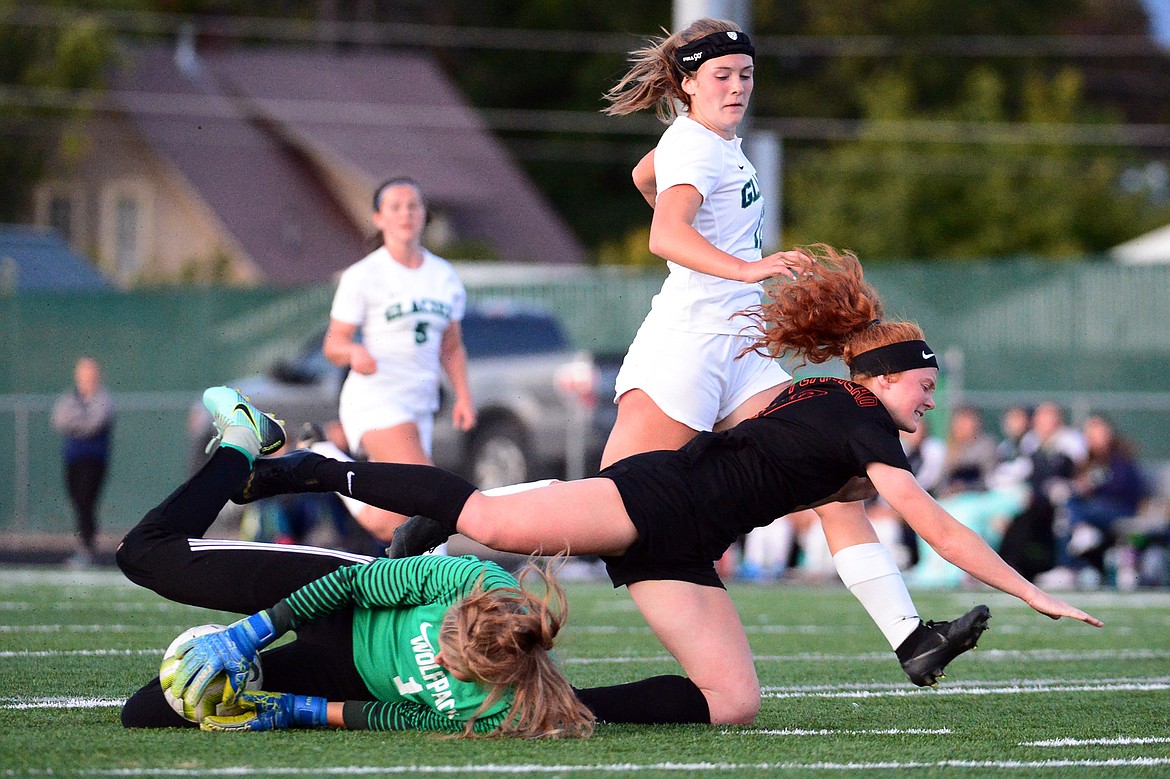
(701, 628)
(398, 444)
(577, 517)
(642, 426)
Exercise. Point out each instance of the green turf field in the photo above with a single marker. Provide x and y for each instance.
(1038, 698)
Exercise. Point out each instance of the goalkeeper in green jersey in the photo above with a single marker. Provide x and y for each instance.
(433, 643)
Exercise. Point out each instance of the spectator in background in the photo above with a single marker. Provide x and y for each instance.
(1053, 451)
(970, 454)
(967, 487)
(1106, 487)
(408, 304)
(1014, 425)
(85, 417)
(927, 457)
(1013, 465)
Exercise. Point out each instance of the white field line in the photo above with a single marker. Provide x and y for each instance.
(11, 654)
(991, 655)
(106, 628)
(750, 629)
(13, 704)
(1035, 686)
(91, 604)
(1121, 741)
(827, 732)
(563, 768)
(825, 691)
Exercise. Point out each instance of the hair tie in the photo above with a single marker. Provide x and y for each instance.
(874, 322)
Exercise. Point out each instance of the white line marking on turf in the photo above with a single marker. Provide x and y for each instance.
(827, 732)
(750, 629)
(991, 655)
(1085, 742)
(60, 703)
(537, 768)
(13, 653)
(973, 688)
(89, 628)
(90, 605)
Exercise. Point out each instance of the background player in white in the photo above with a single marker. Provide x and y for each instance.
(683, 373)
(408, 304)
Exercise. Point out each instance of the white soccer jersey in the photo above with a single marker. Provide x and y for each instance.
(730, 218)
(403, 313)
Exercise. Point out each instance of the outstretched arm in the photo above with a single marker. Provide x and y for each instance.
(960, 545)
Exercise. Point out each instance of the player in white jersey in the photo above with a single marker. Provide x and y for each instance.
(407, 303)
(687, 371)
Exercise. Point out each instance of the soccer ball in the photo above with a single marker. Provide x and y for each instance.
(210, 703)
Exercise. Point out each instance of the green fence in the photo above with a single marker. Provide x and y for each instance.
(1090, 335)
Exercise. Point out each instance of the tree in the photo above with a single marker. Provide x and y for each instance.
(71, 55)
(949, 198)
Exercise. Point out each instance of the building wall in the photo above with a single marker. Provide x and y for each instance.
(117, 202)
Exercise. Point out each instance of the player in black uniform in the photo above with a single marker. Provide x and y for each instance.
(661, 519)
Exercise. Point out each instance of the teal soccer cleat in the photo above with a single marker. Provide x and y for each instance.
(229, 408)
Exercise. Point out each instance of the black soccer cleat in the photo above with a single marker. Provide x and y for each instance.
(285, 475)
(926, 652)
(418, 535)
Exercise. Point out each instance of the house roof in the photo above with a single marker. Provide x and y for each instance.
(37, 259)
(250, 129)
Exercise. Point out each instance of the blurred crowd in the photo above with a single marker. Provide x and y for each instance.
(1068, 506)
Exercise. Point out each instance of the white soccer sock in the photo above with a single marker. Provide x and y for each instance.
(243, 439)
(870, 573)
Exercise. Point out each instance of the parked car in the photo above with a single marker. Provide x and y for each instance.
(542, 410)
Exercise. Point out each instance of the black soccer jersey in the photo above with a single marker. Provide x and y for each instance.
(815, 436)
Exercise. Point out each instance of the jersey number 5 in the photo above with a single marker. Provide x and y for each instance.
(421, 332)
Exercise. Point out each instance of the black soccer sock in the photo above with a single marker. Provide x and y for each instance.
(659, 700)
(194, 506)
(405, 489)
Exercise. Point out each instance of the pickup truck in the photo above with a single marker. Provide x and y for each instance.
(542, 410)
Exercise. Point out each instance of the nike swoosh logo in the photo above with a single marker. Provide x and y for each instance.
(349, 482)
(247, 412)
(927, 356)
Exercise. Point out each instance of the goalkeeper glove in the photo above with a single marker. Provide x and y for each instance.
(232, 651)
(271, 711)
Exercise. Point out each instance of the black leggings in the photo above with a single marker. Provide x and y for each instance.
(85, 478)
(166, 553)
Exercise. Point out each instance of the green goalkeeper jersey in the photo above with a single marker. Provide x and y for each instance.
(398, 607)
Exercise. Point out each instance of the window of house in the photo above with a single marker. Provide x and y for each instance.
(61, 216)
(125, 229)
(127, 226)
(57, 204)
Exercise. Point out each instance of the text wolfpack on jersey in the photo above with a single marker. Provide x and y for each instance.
(433, 674)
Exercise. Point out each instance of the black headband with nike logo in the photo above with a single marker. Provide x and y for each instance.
(717, 44)
(894, 358)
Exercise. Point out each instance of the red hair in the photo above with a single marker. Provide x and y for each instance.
(829, 311)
